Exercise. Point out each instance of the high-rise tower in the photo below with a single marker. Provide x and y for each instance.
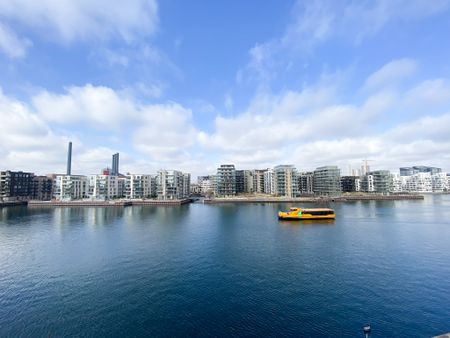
(115, 164)
(69, 159)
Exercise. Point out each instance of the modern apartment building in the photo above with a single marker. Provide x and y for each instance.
(382, 181)
(138, 186)
(305, 183)
(16, 185)
(258, 181)
(348, 183)
(42, 188)
(269, 182)
(408, 171)
(70, 187)
(172, 184)
(226, 180)
(327, 180)
(240, 181)
(206, 184)
(103, 187)
(285, 180)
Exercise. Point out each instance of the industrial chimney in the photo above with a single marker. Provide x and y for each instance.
(69, 159)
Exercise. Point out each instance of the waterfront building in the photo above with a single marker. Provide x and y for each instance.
(138, 186)
(397, 183)
(382, 181)
(327, 180)
(70, 187)
(367, 183)
(425, 182)
(172, 184)
(186, 185)
(269, 182)
(409, 171)
(42, 188)
(348, 183)
(240, 181)
(439, 182)
(103, 187)
(16, 185)
(305, 183)
(206, 184)
(358, 184)
(121, 184)
(258, 181)
(248, 181)
(226, 180)
(196, 190)
(285, 180)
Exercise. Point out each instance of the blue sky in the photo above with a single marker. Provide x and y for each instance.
(192, 84)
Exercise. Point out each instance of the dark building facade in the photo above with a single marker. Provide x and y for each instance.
(42, 188)
(348, 183)
(226, 180)
(16, 185)
(115, 164)
(240, 181)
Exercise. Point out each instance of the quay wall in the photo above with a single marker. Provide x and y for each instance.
(119, 203)
(12, 203)
(314, 199)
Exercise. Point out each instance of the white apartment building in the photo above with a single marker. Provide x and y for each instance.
(103, 187)
(139, 186)
(269, 182)
(172, 184)
(70, 187)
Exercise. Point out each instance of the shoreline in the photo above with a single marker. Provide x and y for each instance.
(312, 199)
(237, 200)
(118, 203)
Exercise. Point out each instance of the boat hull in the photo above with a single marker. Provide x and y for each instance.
(304, 218)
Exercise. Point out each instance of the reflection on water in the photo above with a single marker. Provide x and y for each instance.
(306, 222)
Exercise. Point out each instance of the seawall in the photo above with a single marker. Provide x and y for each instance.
(313, 199)
(119, 203)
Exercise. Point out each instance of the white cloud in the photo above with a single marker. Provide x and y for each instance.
(68, 21)
(429, 95)
(162, 134)
(95, 107)
(392, 73)
(166, 132)
(11, 44)
(314, 127)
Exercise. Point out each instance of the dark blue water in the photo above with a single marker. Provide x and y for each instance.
(225, 270)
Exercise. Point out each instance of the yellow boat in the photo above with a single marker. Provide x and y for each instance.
(304, 214)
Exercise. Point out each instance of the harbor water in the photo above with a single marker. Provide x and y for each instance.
(226, 270)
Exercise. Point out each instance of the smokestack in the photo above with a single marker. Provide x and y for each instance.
(69, 159)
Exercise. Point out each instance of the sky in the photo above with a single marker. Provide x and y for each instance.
(188, 85)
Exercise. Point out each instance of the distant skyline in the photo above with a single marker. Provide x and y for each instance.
(190, 85)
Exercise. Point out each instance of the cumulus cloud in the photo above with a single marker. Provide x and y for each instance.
(163, 134)
(162, 131)
(100, 106)
(314, 126)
